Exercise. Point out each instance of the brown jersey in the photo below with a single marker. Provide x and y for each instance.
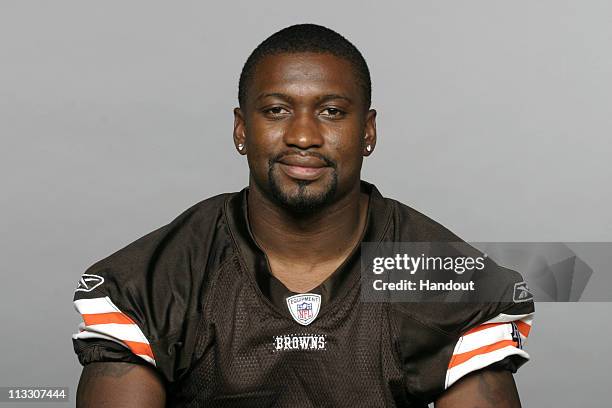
(196, 300)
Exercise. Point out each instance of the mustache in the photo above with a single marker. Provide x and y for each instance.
(328, 162)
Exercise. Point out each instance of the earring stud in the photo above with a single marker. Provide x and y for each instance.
(240, 146)
(369, 148)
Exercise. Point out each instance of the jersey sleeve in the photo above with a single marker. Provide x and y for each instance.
(107, 333)
(439, 343)
(138, 306)
(130, 306)
(497, 343)
(144, 303)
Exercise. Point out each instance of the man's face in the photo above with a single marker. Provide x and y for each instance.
(305, 129)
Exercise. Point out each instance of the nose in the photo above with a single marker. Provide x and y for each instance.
(303, 132)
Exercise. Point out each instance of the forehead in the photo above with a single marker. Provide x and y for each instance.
(303, 75)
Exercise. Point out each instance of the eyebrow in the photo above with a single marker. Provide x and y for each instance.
(276, 95)
(329, 97)
(288, 98)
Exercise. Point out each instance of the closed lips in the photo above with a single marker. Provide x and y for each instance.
(303, 161)
(303, 167)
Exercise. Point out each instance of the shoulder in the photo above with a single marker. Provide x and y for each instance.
(441, 340)
(452, 318)
(413, 225)
(158, 255)
(147, 296)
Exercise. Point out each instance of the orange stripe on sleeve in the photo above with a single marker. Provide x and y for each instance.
(523, 327)
(139, 348)
(463, 357)
(105, 318)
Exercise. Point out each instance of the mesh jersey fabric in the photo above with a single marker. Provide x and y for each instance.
(195, 300)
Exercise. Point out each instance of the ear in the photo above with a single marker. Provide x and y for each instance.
(369, 140)
(239, 132)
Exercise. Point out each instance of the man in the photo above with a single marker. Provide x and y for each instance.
(251, 299)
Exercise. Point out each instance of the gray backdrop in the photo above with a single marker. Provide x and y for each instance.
(494, 119)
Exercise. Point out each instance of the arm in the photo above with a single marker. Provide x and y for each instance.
(483, 389)
(121, 385)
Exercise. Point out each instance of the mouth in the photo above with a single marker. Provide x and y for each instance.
(308, 168)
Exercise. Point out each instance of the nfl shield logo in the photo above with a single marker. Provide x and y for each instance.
(304, 308)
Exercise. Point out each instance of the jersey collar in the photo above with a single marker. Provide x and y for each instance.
(337, 284)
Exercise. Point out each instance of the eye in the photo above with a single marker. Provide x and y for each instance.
(276, 112)
(332, 112)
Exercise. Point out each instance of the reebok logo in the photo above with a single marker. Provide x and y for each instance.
(89, 282)
(521, 293)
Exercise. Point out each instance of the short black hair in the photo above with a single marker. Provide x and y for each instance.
(306, 38)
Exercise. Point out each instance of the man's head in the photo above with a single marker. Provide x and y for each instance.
(304, 38)
(304, 119)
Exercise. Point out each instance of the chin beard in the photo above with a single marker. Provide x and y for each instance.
(302, 201)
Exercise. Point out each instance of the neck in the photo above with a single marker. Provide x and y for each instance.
(307, 238)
